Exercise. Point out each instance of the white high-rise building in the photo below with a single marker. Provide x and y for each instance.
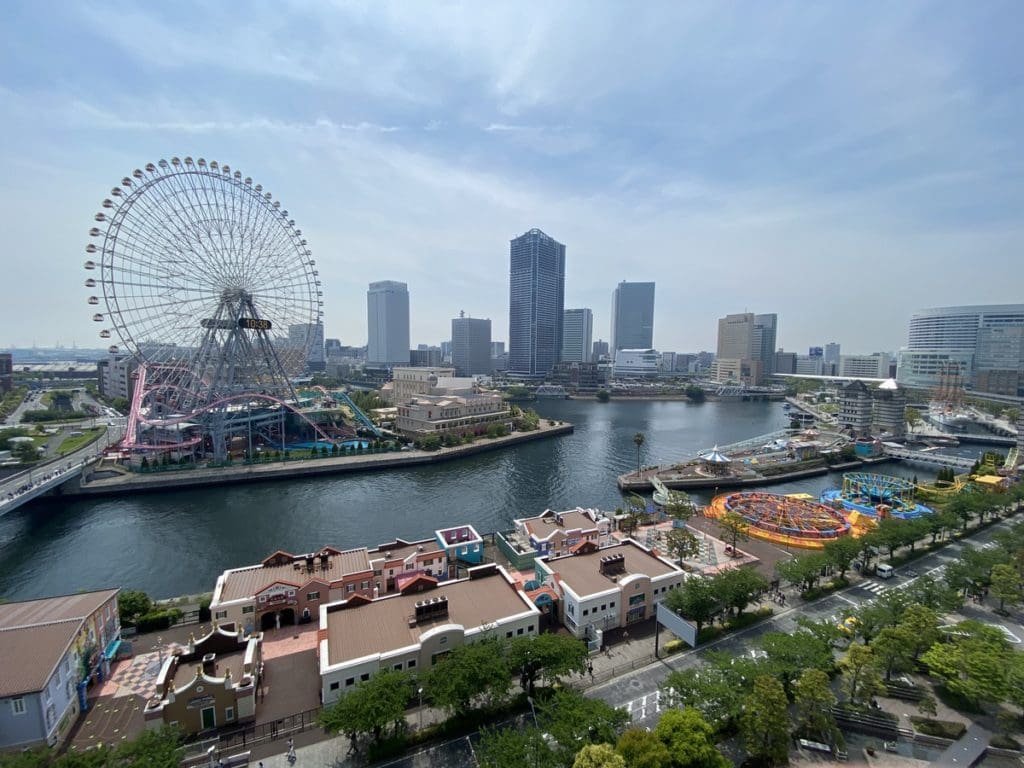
(577, 335)
(387, 304)
(311, 336)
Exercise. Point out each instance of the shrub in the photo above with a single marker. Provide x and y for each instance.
(158, 620)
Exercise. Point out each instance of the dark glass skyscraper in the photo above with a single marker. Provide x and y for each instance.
(633, 316)
(536, 304)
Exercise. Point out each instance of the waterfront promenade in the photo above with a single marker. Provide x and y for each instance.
(118, 482)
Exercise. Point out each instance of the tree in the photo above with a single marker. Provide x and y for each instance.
(717, 694)
(689, 740)
(841, 553)
(920, 628)
(514, 748)
(638, 441)
(739, 586)
(913, 417)
(603, 396)
(893, 651)
(598, 756)
(680, 506)
(642, 749)
(973, 662)
(150, 749)
(370, 707)
(547, 656)
(574, 720)
(764, 723)
(803, 571)
(682, 544)
(789, 654)
(860, 675)
(813, 700)
(695, 599)
(465, 673)
(1006, 585)
(132, 603)
(890, 534)
(734, 527)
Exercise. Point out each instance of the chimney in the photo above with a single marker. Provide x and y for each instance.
(210, 664)
(612, 565)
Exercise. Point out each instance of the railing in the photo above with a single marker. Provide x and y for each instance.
(246, 736)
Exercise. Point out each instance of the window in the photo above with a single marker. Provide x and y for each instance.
(312, 595)
(229, 713)
(335, 685)
(220, 615)
(350, 588)
(349, 682)
(636, 599)
(263, 598)
(530, 628)
(509, 633)
(397, 667)
(364, 677)
(519, 631)
(604, 606)
(586, 611)
(364, 585)
(443, 641)
(248, 609)
(611, 605)
(411, 664)
(18, 706)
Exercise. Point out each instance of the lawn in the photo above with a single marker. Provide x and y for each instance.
(77, 441)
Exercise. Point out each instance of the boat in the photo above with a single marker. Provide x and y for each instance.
(953, 420)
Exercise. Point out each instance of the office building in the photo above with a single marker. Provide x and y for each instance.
(429, 357)
(497, 348)
(874, 366)
(809, 365)
(311, 337)
(963, 341)
(736, 337)
(387, 304)
(832, 354)
(889, 409)
(576, 377)
(50, 650)
(536, 304)
(115, 375)
(633, 316)
(6, 373)
(599, 350)
(855, 406)
(785, 362)
(633, 363)
(577, 335)
(762, 342)
(471, 345)
(668, 362)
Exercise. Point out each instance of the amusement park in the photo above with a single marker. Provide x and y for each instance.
(201, 275)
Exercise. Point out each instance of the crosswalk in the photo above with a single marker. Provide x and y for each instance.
(644, 707)
(873, 586)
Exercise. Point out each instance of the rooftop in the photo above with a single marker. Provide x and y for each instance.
(582, 573)
(222, 664)
(544, 524)
(382, 626)
(401, 549)
(246, 582)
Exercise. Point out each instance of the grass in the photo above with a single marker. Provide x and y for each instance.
(733, 623)
(70, 444)
(944, 729)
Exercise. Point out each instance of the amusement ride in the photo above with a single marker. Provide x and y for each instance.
(202, 277)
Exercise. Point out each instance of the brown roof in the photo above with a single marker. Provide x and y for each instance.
(382, 626)
(234, 661)
(544, 525)
(35, 635)
(246, 582)
(404, 549)
(582, 575)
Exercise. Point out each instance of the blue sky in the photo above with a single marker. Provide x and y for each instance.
(839, 163)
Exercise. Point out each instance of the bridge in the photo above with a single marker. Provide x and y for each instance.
(927, 457)
(38, 480)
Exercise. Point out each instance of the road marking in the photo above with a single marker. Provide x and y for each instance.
(848, 600)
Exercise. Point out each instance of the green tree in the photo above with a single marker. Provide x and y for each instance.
(803, 571)
(913, 417)
(150, 749)
(603, 396)
(682, 544)
(861, 680)
(734, 528)
(598, 756)
(695, 599)
(548, 656)
(841, 553)
(716, 693)
(132, 603)
(893, 651)
(514, 748)
(689, 739)
(1006, 585)
(973, 662)
(638, 441)
(680, 506)
(642, 749)
(739, 586)
(813, 701)
(789, 654)
(574, 720)
(370, 707)
(466, 673)
(764, 723)
(919, 627)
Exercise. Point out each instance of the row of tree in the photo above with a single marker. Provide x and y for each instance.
(151, 749)
(728, 592)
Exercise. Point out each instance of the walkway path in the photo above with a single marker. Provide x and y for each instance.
(967, 750)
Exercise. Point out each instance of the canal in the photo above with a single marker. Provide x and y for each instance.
(178, 543)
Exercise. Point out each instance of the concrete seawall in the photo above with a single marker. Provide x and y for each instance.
(197, 478)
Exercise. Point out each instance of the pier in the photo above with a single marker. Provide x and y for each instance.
(927, 458)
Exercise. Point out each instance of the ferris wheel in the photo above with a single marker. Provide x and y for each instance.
(202, 277)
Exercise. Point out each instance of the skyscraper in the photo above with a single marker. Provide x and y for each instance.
(536, 302)
(766, 328)
(387, 305)
(599, 350)
(577, 333)
(471, 345)
(736, 337)
(311, 334)
(633, 316)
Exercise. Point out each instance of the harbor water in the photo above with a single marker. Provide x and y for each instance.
(178, 543)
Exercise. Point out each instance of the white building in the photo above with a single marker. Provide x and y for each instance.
(425, 415)
(309, 336)
(637, 362)
(116, 376)
(874, 366)
(387, 305)
(577, 335)
(809, 365)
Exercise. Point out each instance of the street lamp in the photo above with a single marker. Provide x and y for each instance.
(419, 692)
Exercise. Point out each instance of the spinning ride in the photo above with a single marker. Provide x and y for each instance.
(208, 285)
(788, 520)
(877, 496)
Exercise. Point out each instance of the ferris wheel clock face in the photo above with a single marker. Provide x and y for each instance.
(189, 260)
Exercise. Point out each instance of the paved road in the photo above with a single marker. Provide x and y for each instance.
(638, 691)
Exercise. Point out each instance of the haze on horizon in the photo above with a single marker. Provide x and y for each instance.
(840, 164)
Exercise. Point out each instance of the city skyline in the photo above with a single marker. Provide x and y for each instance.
(417, 156)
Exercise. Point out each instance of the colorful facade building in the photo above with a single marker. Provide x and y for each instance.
(51, 650)
(211, 684)
(411, 630)
(461, 544)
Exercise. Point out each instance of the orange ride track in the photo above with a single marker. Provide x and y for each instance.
(782, 519)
